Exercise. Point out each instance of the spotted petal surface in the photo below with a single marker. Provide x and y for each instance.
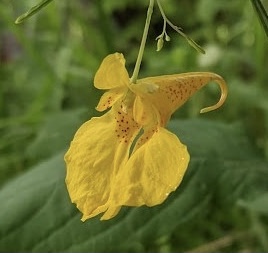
(126, 157)
(99, 148)
(172, 91)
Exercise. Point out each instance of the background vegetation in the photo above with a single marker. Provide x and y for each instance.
(46, 93)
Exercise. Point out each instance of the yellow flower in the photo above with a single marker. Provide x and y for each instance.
(126, 157)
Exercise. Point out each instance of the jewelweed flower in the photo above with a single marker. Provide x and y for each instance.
(127, 157)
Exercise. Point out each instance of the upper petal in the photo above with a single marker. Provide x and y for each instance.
(112, 73)
(174, 90)
(153, 171)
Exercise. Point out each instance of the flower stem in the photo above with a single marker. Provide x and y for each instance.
(143, 42)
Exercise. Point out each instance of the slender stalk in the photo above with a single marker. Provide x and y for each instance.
(32, 11)
(262, 14)
(179, 30)
(143, 42)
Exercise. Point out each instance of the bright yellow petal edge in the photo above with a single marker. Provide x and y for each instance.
(126, 157)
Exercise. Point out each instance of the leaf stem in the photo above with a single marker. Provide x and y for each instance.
(262, 14)
(143, 42)
(32, 11)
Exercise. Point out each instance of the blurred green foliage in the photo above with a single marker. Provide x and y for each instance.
(46, 75)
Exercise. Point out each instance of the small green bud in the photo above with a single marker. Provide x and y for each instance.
(167, 38)
(160, 43)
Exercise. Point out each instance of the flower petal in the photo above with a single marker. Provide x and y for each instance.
(88, 161)
(152, 172)
(99, 148)
(174, 90)
(109, 98)
(112, 73)
(144, 112)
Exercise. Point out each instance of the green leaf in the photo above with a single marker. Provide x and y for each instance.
(56, 133)
(262, 14)
(259, 204)
(37, 216)
(32, 11)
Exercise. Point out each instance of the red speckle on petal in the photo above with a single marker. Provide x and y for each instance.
(126, 127)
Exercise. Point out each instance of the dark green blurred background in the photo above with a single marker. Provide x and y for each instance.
(46, 93)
